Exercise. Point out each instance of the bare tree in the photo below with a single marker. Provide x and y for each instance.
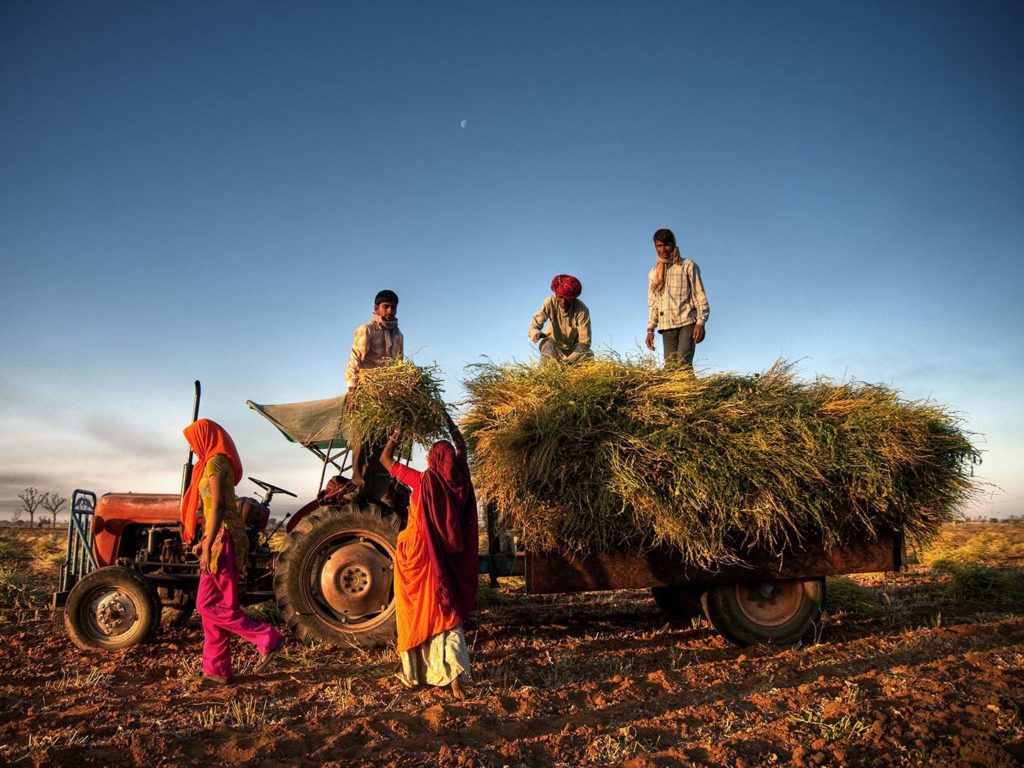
(31, 500)
(16, 514)
(53, 502)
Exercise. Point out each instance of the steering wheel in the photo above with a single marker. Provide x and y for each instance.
(272, 488)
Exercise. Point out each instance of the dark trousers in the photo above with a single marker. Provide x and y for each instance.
(367, 471)
(548, 348)
(678, 345)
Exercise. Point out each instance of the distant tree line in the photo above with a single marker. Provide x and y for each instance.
(1014, 519)
(32, 500)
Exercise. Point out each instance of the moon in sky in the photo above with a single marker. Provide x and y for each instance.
(463, 123)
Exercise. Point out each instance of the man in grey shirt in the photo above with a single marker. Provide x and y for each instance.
(569, 337)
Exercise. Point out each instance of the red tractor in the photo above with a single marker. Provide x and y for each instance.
(127, 569)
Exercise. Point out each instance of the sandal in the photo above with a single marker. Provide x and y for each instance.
(266, 659)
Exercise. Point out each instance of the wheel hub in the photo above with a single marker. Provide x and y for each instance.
(770, 603)
(356, 580)
(115, 613)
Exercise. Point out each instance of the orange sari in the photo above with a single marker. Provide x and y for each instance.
(418, 611)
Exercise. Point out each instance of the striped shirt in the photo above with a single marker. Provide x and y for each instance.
(681, 302)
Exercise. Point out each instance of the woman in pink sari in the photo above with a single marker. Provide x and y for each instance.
(221, 551)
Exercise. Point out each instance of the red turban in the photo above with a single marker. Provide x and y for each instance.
(566, 286)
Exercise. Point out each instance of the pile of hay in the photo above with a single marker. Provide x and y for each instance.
(614, 453)
(399, 394)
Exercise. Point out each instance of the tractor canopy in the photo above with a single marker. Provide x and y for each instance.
(315, 424)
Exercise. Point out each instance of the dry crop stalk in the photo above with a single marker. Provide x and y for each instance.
(399, 394)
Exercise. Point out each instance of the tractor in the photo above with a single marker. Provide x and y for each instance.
(127, 570)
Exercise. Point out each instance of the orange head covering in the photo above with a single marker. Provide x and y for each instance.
(208, 439)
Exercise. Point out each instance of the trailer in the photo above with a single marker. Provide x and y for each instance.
(127, 570)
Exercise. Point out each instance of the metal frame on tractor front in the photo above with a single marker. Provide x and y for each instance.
(78, 556)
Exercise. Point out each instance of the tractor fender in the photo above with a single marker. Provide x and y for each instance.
(303, 511)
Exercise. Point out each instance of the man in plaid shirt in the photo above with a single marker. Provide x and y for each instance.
(372, 344)
(677, 305)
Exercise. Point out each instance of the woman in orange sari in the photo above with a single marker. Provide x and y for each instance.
(221, 552)
(436, 569)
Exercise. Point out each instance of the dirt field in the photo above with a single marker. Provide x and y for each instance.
(918, 669)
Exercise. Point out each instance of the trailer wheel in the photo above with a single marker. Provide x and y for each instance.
(679, 603)
(111, 608)
(334, 579)
(765, 611)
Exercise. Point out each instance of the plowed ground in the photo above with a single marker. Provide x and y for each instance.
(910, 675)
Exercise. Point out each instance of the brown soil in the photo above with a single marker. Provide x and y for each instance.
(571, 680)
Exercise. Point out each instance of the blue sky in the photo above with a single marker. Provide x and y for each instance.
(216, 191)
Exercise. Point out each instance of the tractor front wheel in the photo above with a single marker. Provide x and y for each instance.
(334, 579)
(111, 608)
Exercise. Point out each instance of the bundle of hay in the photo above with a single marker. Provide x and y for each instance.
(399, 394)
(614, 453)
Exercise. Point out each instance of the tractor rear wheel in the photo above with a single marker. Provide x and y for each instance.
(334, 579)
(111, 608)
(765, 611)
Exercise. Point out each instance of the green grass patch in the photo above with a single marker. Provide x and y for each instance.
(488, 596)
(978, 542)
(15, 592)
(10, 549)
(844, 595)
(266, 611)
(48, 551)
(973, 582)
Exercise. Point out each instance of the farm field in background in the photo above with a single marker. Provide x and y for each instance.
(916, 668)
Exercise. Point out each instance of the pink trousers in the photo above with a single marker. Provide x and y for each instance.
(217, 604)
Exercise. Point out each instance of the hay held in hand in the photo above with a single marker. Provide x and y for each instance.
(399, 394)
(614, 453)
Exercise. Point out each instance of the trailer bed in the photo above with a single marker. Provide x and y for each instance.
(548, 573)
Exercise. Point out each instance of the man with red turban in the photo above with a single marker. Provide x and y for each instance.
(567, 337)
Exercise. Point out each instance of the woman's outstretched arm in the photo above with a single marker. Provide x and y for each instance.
(387, 456)
(457, 439)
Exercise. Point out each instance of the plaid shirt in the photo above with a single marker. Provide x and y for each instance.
(368, 348)
(681, 302)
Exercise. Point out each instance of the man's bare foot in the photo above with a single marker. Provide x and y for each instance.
(458, 689)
